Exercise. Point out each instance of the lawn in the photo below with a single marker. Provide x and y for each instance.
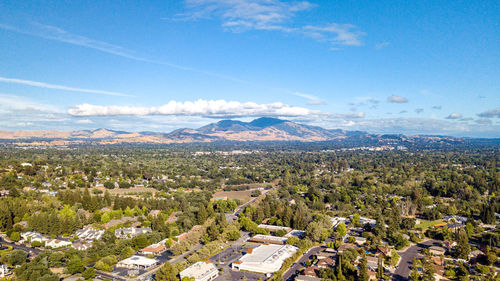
(426, 224)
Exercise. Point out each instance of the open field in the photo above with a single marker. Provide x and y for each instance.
(243, 195)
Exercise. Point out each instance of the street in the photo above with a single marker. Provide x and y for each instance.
(306, 256)
(404, 268)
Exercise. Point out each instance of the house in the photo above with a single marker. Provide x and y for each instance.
(154, 213)
(475, 254)
(311, 271)
(437, 251)
(265, 258)
(449, 244)
(337, 220)
(372, 263)
(326, 263)
(456, 219)
(31, 236)
(346, 246)
(79, 246)
(326, 254)
(89, 234)
(56, 243)
(129, 232)
(386, 251)
(360, 241)
(200, 271)
(307, 278)
(154, 249)
(137, 262)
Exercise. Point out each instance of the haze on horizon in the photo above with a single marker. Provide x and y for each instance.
(412, 68)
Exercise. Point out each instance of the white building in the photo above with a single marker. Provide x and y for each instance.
(337, 220)
(137, 262)
(265, 258)
(260, 238)
(32, 236)
(274, 228)
(56, 243)
(201, 271)
(129, 232)
(89, 234)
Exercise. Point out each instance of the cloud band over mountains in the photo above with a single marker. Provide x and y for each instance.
(207, 108)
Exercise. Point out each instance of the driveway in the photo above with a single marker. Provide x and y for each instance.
(404, 267)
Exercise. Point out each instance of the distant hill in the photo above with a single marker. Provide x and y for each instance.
(261, 129)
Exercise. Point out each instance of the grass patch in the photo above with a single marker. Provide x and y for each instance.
(426, 224)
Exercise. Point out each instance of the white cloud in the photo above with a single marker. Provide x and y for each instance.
(336, 34)
(311, 100)
(490, 113)
(454, 116)
(239, 15)
(207, 108)
(397, 99)
(59, 87)
(270, 15)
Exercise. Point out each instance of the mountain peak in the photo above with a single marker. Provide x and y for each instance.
(263, 122)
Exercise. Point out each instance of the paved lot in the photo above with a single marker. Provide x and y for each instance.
(404, 267)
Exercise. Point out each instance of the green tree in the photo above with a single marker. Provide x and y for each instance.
(17, 257)
(363, 270)
(15, 236)
(462, 249)
(341, 229)
(166, 273)
(75, 265)
(89, 273)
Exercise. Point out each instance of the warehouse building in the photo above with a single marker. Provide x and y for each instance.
(137, 262)
(265, 258)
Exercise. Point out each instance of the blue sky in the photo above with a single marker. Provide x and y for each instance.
(424, 67)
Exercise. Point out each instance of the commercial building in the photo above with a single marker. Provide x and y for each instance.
(154, 249)
(201, 271)
(268, 239)
(274, 228)
(137, 262)
(265, 258)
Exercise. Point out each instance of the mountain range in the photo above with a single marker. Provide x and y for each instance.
(261, 129)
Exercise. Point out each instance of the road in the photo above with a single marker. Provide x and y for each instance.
(297, 265)
(404, 268)
(21, 246)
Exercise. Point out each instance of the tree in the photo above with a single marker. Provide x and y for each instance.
(313, 231)
(75, 265)
(109, 185)
(17, 257)
(341, 229)
(292, 240)
(462, 249)
(15, 236)
(380, 268)
(363, 270)
(166, 273)
(340, 274)
(414, 275)
(89, 273)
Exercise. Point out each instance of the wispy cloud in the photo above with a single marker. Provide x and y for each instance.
(454, 116)
(397, 99)
(206, 108)
(60, 87)
(490, 113)
(271, 15)
(419, 110)
(381, 45)
(311, 100)
(58, 34)
(437, 107)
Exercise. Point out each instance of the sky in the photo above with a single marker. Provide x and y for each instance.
(410, 67)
